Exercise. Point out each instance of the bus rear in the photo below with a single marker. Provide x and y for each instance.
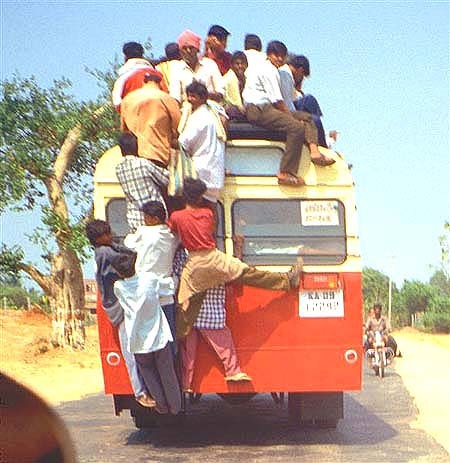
(305, 343)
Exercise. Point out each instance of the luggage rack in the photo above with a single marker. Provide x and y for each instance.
(246, 131)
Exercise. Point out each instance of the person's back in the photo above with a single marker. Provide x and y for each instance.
(153, 116)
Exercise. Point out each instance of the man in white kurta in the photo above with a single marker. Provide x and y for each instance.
(203, 138)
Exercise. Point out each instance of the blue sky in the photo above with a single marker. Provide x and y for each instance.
(380, 71)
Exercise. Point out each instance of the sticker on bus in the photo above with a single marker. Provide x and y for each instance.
(321, 304)
(319, 213)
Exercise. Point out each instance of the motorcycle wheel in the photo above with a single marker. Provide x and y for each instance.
(382, 365)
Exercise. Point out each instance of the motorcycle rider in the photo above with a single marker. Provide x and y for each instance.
(379, 322)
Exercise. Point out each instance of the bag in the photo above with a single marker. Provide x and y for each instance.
(180, 167)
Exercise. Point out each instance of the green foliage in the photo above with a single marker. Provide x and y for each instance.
(13, 297)
(444, 241)
(441, 281)
(35, 124)
(416, 296)
(376, 288)
(10, 259)
(436, 322)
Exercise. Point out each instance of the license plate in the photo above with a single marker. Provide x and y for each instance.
(321, 304)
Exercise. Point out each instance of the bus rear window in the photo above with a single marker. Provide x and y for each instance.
(275, 231)
(253, 161)
(116, 216)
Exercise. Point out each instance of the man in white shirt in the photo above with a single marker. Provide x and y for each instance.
(191, 68)
(203, 138)
(265, 107)
(252, 50)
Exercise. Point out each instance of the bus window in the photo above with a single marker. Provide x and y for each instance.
(275, 231)
(251, 161)
(116, 216)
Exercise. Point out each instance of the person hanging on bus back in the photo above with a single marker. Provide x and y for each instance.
(265, 107)
(99, 235)
(206, 266)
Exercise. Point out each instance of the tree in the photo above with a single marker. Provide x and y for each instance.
(50, 143)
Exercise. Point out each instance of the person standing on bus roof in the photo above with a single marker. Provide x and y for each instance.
(99, 234)
(191, 68)
(153, 116)
(203, 136)
(208, 267)
(215, 48)
(265, 107)
(141, 180)
(131, 74)
(166, 64)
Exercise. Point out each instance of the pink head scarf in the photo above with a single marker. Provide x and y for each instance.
(189, 39)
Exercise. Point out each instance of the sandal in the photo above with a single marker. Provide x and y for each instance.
(290, 179)
(322, 161)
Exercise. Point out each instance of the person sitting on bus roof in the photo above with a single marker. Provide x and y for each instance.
(153, 116)
(253, 50)
(131, 74)
(291, 73)
(234, 82)
(191, 68)
(203, 137)
(206, 266)
(148, 302)
(215, 45)
(210, 325)
(265, 107)
(141, 180)
(166, 64)
(99, 234)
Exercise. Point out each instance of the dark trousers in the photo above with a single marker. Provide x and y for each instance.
(268, 117)
(158, 372)
(309, 104)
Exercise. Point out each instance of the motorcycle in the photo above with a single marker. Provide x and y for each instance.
(379, 356)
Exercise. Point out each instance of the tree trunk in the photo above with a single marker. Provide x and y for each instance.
(68, 301)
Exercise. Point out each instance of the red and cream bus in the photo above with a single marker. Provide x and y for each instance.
(305, 343)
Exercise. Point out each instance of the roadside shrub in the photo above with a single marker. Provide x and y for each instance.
(13, 297)
(436, 322)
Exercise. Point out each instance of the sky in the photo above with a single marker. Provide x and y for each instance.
(380, 71)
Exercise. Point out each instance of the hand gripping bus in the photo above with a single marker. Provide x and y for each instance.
(304, 343)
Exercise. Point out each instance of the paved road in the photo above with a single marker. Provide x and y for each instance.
(376, 428)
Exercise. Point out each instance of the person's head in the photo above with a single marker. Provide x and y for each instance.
(193, 191)
(172, 51)
(153, 76)
(132, 50)
(377, 307)
(371, 312)
(189, 44)
(128, 144)
(252, 42)
(276, 53)
(299, 65)
(99, 233)
(196, 94)
(217, 38)
(239, 63)
(154, 213)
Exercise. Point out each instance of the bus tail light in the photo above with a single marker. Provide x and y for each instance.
(320, 281)
(113, 359)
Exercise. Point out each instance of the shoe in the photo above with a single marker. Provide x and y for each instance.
(322, 161)
(241, 376)
(285, 178)
(294, 273)
(146, 401)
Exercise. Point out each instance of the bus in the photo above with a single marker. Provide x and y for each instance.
(304, 344)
